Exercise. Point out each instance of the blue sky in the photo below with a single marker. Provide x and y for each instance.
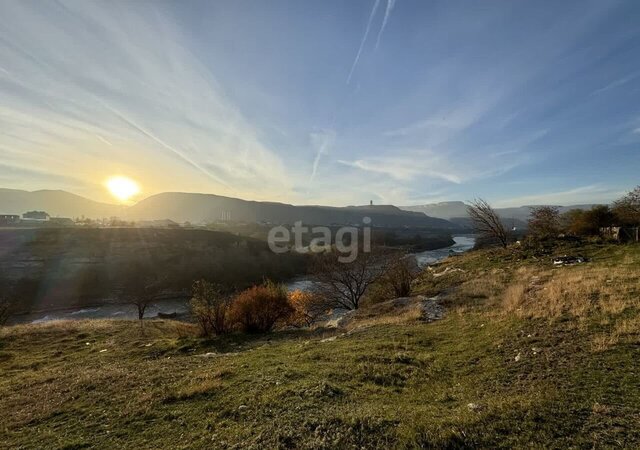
(324, 102)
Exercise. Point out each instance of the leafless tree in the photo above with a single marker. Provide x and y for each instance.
(627, 209)
(400, 271)
(486, 221)
(210, 307)
(544, 221)
(140, 287)
(342, 285)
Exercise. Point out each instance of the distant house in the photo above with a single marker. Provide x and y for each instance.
(9, 219)
(36, 215)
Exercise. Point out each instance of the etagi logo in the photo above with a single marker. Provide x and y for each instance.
(279, 240)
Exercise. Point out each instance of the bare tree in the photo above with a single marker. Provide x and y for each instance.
(544, 221)
(627, 209)
(400, 271)
(140, 287)
(486, 221)
(210, 307)
(342, 285)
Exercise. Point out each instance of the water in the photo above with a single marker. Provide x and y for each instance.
(105, 312)
(462, 244)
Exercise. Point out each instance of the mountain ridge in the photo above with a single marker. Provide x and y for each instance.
(203, 208)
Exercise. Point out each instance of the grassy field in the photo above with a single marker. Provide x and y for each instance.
(527, 356)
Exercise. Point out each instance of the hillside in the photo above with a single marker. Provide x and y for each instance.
(182, 207)
(56, 203)
(203, 208)
(526, 356)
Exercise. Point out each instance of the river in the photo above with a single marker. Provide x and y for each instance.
(462, 244)
(117, 311)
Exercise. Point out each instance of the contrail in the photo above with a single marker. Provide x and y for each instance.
(387, 13)
(161, 142)
(364, 39)
(322, 150)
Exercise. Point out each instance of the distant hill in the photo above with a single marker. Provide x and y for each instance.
(198, 208)
(456, 212)
(202, 208)
(56, 203)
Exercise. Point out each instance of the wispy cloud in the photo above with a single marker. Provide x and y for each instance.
(407, 167)
(593, 193)
(364, 40)
(387, 14)
(159, 113)
(321, 141)
(616, 83)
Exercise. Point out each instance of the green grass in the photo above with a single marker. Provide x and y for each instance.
(387, 386)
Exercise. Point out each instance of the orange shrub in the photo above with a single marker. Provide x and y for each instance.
(307, 307)
(260, 308)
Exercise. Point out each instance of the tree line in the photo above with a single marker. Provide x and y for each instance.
(547, 221)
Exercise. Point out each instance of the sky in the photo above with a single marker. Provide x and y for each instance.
(324, 102)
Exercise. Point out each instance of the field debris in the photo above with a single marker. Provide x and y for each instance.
(567, 260)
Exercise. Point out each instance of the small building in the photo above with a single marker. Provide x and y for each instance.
(621, 234)
(41, 216)
(9, 219)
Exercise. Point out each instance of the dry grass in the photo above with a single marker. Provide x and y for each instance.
(576, 292)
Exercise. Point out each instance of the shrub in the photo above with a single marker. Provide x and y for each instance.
(210, 307)
(307, 308)
(260, 308)
(589, 222)
(401, 271)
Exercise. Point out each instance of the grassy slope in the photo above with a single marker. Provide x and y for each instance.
(576, 381)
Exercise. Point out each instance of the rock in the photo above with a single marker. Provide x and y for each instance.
(242, 407)
(474, 407)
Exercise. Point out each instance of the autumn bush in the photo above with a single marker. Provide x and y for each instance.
(307, 308)
(260, 308)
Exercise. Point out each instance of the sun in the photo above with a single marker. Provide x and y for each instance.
(122, 188)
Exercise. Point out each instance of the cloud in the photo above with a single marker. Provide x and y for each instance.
(157, 109)
(387, 14)
(616, 83)
(407, 167)
(584, 194)
(364, 39)
(321, 141)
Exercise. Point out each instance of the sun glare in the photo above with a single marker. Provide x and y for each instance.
(122, 188)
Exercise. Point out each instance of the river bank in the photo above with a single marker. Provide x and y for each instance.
(180, 306)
